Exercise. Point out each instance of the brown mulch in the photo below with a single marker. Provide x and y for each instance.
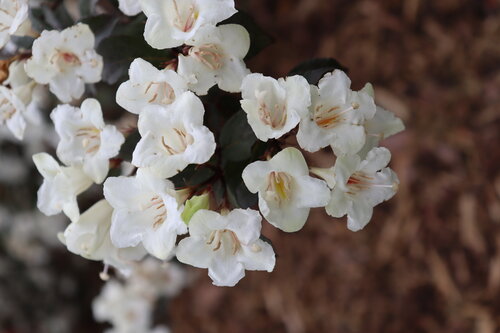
(430, 259)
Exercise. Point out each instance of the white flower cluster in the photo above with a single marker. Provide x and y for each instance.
(129, 306)
(143, 213)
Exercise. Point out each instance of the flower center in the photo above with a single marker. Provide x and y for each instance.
(176, 141)
(271, 114)
(64, 60)
(91, 139)
(279, 187)
(359, 182)
(209, 55)
(185, 16)
(224, 237)
(159, 210)
(160, 93)
(332, 117)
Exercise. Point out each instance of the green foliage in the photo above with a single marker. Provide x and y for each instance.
(24, 42)
(237, 138)
(102, 26)
(119, 51)
(87, 7)
(193, 205)
(313, 70)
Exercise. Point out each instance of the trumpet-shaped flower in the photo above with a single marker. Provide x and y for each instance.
(13, 17)
(172, 22)
(130, 7)
(216, 57)
(85, 140)
(89, 237)
(145, 210)
(286, 191)
(274, 107)
(60, 187)
(359, 185)
(65, 60)
(336, 116)
(226, 245)
(149, 86)
(173, 137)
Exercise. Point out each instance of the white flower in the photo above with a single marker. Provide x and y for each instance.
(149, 86)
(89, 237)
(336, 116)
(173, 137)
(60, 187)
(381, 126)
(128, 311)
(226, 245)
(172, 22)
(65, 60)
(85, 140)
(286, 191)
(274, 107)
(145, 210)
(359, 185)
(12, 112)
(216, 57)
(13, 13)
(20, 98)
(130, 7)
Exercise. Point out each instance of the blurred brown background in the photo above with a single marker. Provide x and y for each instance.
(430, 259)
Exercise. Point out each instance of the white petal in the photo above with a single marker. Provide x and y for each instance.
(46, 165)
(194, 251)
(226, 273)
(349, 139)
(124, 193)
(339, 205)
(259, 256)
(311, 192)
(159, 244)
(130, 7)
(246, 223)
(128, 228)
(235, 39)
(290, 160)
(359, 215)
(204, 221)
(376, 160)
(288, 218)
(96, 168)
(255, 175)
(298, 94)
(334, 87)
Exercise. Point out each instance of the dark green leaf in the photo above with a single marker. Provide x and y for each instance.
(87, 8)
(237, 192)
(259, 39)
(192, 175)
(119, 51)
(313, 70)
(128, 147)
(24, 42)
(101, 26)
(133, 27)
(237, 138)
(58, 17)
(37, 19)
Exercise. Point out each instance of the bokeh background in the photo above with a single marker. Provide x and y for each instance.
(429, 261)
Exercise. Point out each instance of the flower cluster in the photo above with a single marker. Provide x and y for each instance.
(179, 132)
